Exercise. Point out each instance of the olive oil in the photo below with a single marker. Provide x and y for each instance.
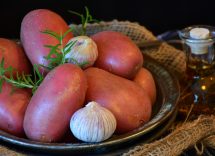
(200, 54)
(198, 67)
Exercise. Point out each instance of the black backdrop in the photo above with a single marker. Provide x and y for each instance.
(156, 15)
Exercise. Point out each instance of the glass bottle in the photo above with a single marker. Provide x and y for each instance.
(199, 50)
(198, 44)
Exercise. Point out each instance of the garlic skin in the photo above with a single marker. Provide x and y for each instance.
(93, 123)
(83, 53)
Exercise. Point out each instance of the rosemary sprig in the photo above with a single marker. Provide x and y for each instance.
(57, 52)
(21, 81)
(55, 57)
(85, 19)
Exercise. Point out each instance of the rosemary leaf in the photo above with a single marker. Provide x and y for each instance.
(36, 70)
(54, 50)
(18, 83)
(30, 81)
(68, 47)
(52, 33)
(1, 84)
(85, 19)
(53, 47)
(75, 13)
(17, 76)
(2, 70)
(83, 64)
(66, 33)
(21, 81)
(25, 79)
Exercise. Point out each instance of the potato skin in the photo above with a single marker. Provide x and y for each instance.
(117, 54)
(125, 99)
(34, 41)
(145, 79)
(13, 104)
(60, 94)
(14, 55)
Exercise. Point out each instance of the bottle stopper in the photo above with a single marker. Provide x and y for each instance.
(199, 33)
(198, 41)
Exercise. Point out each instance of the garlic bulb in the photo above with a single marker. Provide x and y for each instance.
(93, 123)
(83, 53)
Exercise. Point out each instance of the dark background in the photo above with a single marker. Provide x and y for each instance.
(156, 15)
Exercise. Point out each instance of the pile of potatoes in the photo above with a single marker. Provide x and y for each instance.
(117, 81)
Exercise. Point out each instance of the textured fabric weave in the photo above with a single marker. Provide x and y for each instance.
(174, 144)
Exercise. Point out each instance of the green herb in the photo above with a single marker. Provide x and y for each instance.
(21, 81)
(85, 19)
(57, 52)
(55, 57)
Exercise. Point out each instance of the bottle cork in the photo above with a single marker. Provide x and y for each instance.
(199, 33)
(199, 45)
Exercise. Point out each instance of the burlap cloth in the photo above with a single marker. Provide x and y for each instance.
(188, 134)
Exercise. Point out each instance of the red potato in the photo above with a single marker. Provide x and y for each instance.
(129, 103)
(61, 93)
(13, 104)
(14, 56)
(117, 54)
(145, 79)
(34, 40)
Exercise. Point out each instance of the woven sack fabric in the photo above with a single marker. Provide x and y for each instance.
(183, 137)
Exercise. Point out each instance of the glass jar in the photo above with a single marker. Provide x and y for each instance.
(199, 50)
(200, 55)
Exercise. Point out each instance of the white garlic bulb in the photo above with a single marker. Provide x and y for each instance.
(93, 123)
(83, 53)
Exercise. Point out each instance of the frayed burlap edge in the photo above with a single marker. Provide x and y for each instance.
(135, 31)
(210, 141)
(180, 139)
